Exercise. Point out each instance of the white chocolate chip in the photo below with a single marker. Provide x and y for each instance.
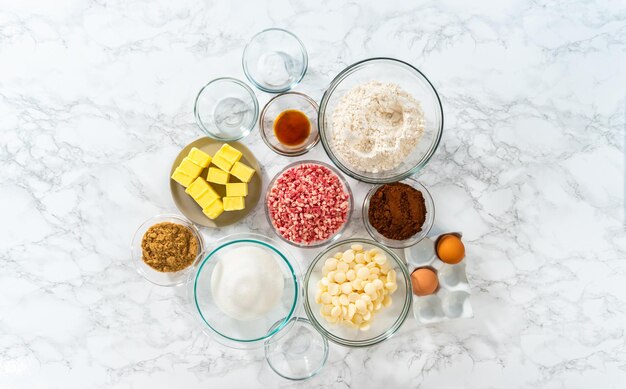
(355, 284)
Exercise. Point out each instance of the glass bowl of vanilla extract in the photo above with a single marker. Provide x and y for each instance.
(288, 124)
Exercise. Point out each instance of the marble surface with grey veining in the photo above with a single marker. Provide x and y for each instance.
(96, 101)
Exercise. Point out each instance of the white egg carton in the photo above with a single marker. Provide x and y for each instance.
(452, 299)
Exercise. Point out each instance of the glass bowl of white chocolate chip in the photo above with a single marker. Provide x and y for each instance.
(357, 293)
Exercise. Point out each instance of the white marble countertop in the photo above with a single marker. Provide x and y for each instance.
(96, 100)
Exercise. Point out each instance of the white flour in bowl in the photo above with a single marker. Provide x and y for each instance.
(375, 126)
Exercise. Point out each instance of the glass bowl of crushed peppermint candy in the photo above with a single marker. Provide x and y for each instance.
(309, 204)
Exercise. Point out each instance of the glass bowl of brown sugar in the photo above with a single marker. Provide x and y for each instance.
(398, 214)
(165, 248)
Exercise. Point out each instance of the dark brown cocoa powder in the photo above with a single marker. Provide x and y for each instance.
(397, 211)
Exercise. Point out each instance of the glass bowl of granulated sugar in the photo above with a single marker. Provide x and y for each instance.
(380, 120)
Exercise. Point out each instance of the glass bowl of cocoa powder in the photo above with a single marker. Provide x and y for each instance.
(398, 214)
(165, 248)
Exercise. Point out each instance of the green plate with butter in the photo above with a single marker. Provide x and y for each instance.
(188, 206)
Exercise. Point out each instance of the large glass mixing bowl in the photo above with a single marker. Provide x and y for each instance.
(409, 78)
(244, 332)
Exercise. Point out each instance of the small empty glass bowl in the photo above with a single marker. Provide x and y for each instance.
(281, 103)
(243, 332)
(399, 244)
(275, 60)
(226, 109)
(300, 353)
(157, 277)
(386, 321)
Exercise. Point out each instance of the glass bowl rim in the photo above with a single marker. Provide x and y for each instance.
(206, 131)
(322, 112)
(305, 150)
(400, 244)
(383, 336)
(346, 186)
(137, 239)
(306, 321)
(291, 85)
(226, 241)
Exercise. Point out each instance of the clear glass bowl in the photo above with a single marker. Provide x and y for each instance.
(275, 60)
(410, 79)
(235, 333)
(281, 103)
(299, 354)
(346, 188)
(226, 109)
(156, 277)
(386, 322)
(399, 244)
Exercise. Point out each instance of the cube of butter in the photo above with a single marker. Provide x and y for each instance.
(202, 192)
(189, 168)
(199, 187)
(213, 210)
(199, 157)
(206, 199)
(218, 176)
(229, 153)
(221, 163)
(234, 203)
(236, 189)
(182, 178)
(242, 171)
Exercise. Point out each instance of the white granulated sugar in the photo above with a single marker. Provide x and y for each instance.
(375, 126)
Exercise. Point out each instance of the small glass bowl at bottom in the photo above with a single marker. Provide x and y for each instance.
(237, 332)
(281, 103)
(152, 275)
(386, 321)
(226, 109)
(299, 354)
(399, 244)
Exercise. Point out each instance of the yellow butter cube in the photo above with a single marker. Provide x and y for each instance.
(218, 176)
(234, 203)
(229, 153)
(206, 199)
(242, 171)
(221, 163)
(202, 192)
(236, 189)
(182, 178)
(189, 168)
(199, 187)
(213, 210)
(199, 157)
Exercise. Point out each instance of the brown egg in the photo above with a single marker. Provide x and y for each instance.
(424, 281)
(450, 249)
